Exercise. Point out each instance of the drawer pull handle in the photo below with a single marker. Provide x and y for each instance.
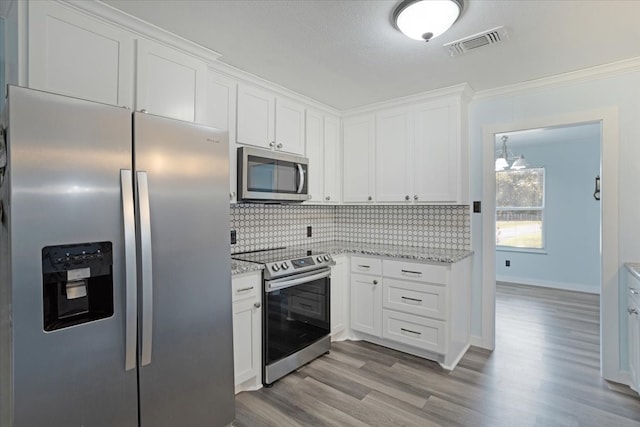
(415, 300)
(634, 291)
(410, 331)
(416, 273)
(364, 266)
(632, 311)
(245, 289)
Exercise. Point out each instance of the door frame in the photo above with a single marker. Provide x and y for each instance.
(609, 228)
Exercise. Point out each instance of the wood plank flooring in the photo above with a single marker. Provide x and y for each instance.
(544, 372)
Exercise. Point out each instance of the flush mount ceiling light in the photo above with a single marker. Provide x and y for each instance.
(426, 19)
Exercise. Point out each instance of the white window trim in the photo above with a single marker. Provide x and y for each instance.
(543, 209)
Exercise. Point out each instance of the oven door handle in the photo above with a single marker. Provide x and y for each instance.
(276, 285)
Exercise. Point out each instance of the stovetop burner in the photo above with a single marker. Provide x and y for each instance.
(286, 261)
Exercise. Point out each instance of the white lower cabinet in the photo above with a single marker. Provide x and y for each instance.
(247, 331)
(366, 307)
(339, 296)
(418, 308)
(633, 329)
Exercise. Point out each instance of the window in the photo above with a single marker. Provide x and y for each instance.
(520, 208)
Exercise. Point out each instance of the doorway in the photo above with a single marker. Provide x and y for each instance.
(609, 322)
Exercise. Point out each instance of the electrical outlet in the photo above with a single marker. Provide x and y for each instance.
(477, 207)
(507, 263)
(233, 237)
(309, 233)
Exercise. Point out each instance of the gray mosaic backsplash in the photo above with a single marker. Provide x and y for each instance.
(271, 226)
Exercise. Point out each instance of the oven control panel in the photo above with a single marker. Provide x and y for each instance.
(311, 262)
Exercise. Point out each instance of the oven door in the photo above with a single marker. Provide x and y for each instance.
(297, 313)
(270, 176)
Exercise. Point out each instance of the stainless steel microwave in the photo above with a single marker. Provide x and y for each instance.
(266, 176)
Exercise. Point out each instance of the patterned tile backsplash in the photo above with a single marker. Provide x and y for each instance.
(271, 226)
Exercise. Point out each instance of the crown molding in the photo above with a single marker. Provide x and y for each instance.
(130, 23)
(463, 90)
(572, 77)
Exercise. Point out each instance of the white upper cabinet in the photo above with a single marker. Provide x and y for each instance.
(170, 83)
(421, 155)
(322, 142)
(331, 159)
(256, 116)
(358, 158)
(315, 148)
(289, 126)
(267, 121)
(77, 55)
(438, 156)
(221, 114)
(394, 144)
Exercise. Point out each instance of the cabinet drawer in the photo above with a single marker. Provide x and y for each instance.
(245, 286)
(366, 265)
(414, 271)
(416, 298)
(427, 334)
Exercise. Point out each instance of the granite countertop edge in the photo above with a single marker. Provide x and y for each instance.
(633, 268)
(241, 267)
(411, 253)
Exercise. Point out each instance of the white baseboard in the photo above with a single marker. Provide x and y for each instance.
(548, 284)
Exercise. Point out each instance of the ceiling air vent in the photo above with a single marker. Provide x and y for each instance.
(485, 38)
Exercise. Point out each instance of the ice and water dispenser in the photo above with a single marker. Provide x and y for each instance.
(77, 282)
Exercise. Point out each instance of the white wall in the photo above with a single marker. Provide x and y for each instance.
(620, 90)
(571, 257)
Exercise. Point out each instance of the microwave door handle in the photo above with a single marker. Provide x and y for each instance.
(301, 175)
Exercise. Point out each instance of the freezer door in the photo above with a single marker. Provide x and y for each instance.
(186, 350)
(65, 158)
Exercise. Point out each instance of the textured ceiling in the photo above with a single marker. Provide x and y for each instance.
(347, 54)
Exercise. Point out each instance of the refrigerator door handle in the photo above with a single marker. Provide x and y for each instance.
(126, 186)
(147, 270)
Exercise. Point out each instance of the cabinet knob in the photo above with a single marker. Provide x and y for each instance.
(415, 197)
(272, 144)
(375, 282)
(406, 197)
(143, 111)
(632, 311)
(256, 304)
(279, 145)
(370, 198)
(327, 198)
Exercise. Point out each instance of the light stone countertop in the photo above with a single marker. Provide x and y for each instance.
(239, 267)
(336, 247)
(634, 268)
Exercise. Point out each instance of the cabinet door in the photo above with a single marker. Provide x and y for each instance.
(394, 159)
(331, 159)
(289, 128)
(74, 54)
(255, 117)
(357, 154)
(170, 83)
(315, 155)
(366, 305)
(221, 114)
(246, 339)
(437, 152)
(338, 295)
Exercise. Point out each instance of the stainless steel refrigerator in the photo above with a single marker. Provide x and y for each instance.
(115, 287)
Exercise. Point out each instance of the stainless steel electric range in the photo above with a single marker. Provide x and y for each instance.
(296, 326)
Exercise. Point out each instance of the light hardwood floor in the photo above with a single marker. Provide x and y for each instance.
(544, 372)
